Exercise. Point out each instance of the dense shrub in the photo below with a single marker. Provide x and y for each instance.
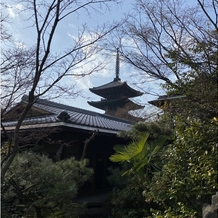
(37, 187)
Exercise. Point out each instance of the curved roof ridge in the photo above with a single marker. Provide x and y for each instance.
(110, 84)
(75, 109)
(60, 105)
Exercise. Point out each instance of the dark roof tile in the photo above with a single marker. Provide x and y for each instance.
(79, 117)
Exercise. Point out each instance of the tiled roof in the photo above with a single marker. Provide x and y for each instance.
(161, 99)
(118, 102)
(113, 87)
(64, 115)
(110, 85)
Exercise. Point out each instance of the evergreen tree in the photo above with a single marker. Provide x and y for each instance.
(37, 187)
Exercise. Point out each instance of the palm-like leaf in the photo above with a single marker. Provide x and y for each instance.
(139, 153)
(127, 153)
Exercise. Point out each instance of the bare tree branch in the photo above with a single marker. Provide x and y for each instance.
(47, 69)
(87, 141)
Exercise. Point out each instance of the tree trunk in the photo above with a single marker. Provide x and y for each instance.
(87, 141)
(38, 212)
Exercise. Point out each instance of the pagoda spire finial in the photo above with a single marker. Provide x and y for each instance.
(117, 66)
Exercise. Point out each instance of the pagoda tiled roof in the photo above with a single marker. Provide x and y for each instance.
(111, 87)
(57, 114)
(104, 103)
(164, 98)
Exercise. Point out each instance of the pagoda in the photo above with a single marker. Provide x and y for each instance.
(115, 95)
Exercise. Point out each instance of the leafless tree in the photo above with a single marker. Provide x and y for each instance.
(5, 35)
(39, 70)
(161, 38)
(172, 43)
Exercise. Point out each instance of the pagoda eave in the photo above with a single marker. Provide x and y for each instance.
(114, 104)
(162, 100)
(115, 87)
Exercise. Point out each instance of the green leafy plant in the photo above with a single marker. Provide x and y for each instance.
(138, 154)
(128, 201)
(189, 176)
(138, 159)
(37, 187)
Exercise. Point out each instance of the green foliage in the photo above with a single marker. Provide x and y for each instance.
(198, 82)
(139, 160)
(157, 130)
(115, 179)
(200, 96)
(138, 154)
(131, 151)
(188, 163)
(37, 187)
(128, 202)
(189, 176)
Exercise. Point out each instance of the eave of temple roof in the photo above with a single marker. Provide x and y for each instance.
(163, 99)
(114, 104)
(77, 118)
(115, 87)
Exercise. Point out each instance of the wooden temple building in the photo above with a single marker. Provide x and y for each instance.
(115, 95)
(53, 128)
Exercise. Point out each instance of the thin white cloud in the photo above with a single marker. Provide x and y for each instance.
(13, 9)
(103, 64)
(11, 12)
(87, 82)
(84, 83)
(20, 45)
(71, 25)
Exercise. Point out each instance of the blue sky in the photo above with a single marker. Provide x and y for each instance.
(25, 35)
